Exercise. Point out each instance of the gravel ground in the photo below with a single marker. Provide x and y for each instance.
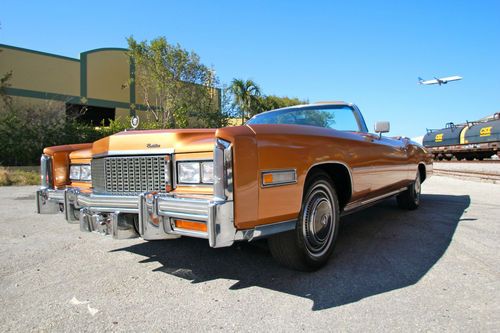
(433, 269)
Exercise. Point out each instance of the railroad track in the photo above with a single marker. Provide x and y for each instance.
(467, 162)
(471, 175)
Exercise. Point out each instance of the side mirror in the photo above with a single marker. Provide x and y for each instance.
(382, 127)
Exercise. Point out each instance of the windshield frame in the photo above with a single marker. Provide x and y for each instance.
(357, 114)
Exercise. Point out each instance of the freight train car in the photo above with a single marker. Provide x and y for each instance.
(479, 139)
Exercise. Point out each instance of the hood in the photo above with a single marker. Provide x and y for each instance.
(156, 142)
(65, 148)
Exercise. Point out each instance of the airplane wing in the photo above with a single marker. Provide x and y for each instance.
(451, 78)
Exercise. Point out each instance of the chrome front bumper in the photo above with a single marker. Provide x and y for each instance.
(155, 213)
(49, 201)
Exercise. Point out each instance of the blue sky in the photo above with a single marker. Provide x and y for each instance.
(366, 52)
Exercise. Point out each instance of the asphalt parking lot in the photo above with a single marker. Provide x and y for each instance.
(433, 269)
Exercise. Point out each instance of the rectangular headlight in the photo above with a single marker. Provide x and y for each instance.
(85, 172)
(74, 172)
(80, 172)
(207, 172)
(188, 172)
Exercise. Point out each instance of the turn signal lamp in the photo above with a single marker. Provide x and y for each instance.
(191, 225)
(267, 178)
(279, 177)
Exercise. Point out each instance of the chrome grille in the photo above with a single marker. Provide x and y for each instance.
(129, 175)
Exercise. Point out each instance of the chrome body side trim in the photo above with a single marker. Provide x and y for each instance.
(267, 230)
(355, 206)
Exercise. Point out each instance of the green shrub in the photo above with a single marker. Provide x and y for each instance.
(26, 129)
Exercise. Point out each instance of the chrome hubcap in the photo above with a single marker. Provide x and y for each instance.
(318, 221)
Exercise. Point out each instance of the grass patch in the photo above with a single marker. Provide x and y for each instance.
(15, 176)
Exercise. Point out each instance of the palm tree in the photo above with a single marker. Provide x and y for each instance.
(246, 95)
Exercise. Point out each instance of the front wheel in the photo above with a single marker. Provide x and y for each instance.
(410, 199)
(309, 246)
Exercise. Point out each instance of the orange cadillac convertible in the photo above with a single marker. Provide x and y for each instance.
(287, 175)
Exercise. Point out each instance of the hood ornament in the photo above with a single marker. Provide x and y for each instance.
(134, 121)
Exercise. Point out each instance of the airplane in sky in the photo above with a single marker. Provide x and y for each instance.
(440, 81)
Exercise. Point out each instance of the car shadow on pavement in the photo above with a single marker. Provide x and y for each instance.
(378, 250)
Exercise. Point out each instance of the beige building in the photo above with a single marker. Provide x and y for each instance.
(101, 81)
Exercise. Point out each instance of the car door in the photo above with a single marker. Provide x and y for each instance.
(387, 162)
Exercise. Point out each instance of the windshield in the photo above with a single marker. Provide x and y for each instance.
(339, 117)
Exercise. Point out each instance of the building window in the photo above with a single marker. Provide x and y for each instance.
(91, 115)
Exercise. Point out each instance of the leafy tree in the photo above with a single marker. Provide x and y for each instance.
(227, 112)
(246, 97)
(177, 88)
(272, 102)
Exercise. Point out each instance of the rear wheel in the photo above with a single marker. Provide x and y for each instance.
(410, 199)
(309, 246)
